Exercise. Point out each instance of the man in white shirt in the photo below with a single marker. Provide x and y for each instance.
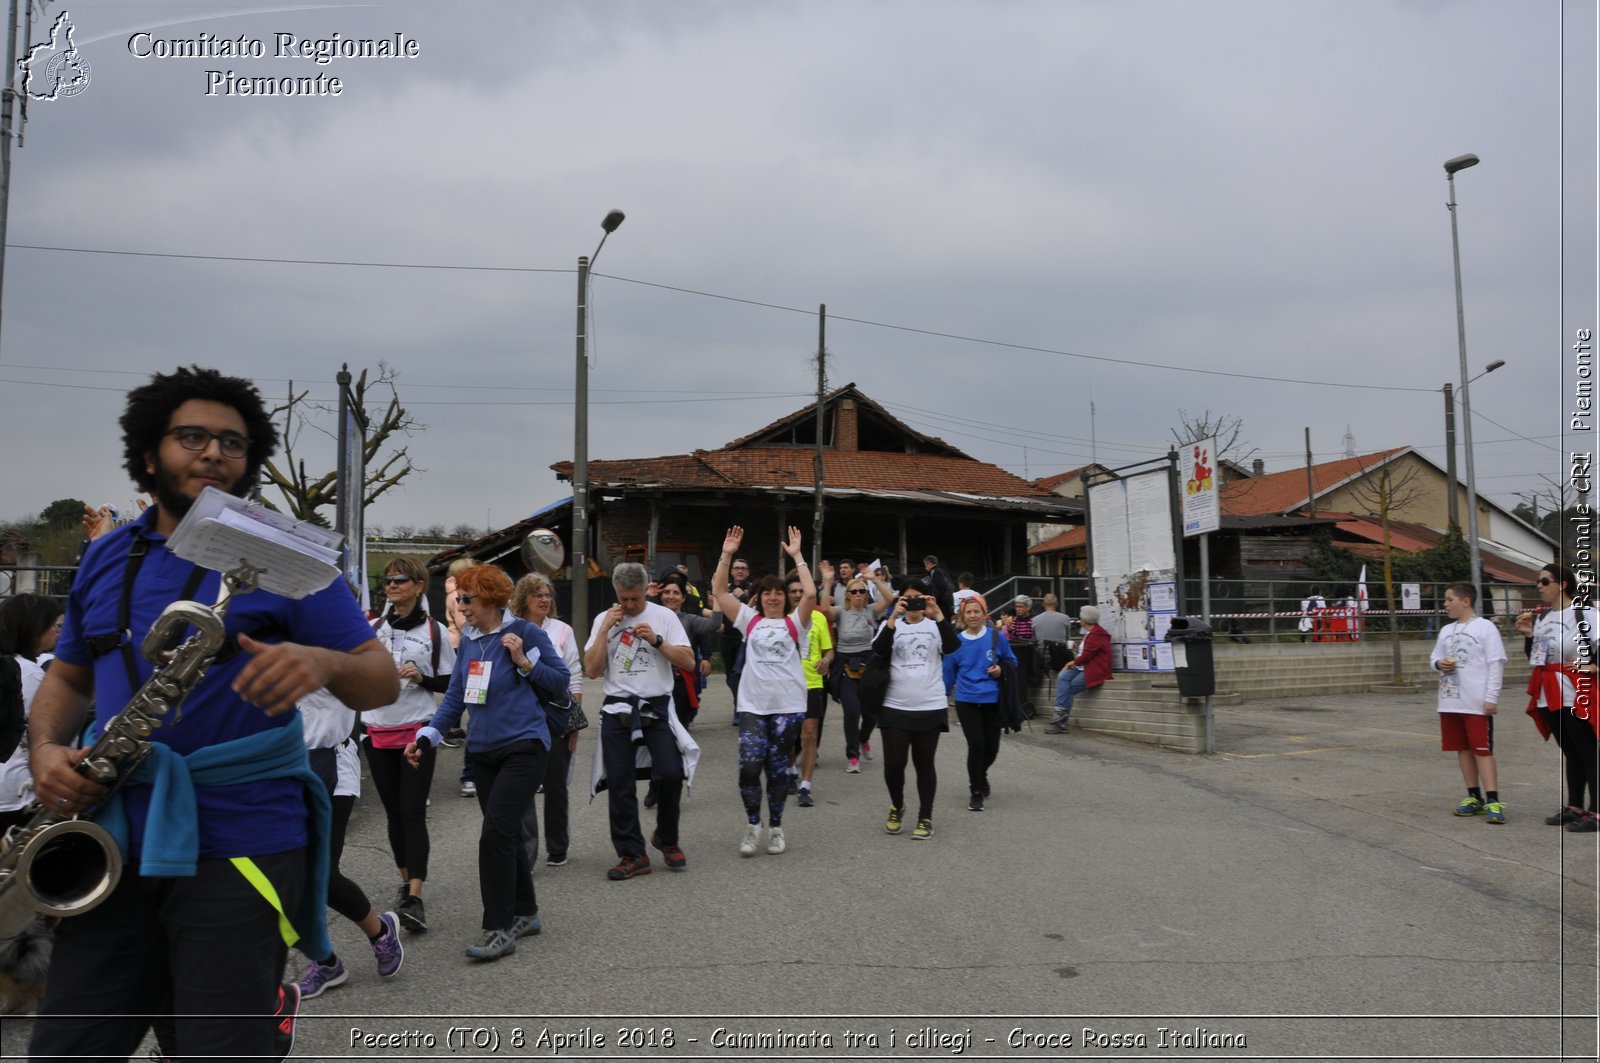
(635, 645)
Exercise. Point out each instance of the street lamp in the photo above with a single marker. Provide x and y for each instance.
(580, 443)
(1450, 440)
(1451, 166)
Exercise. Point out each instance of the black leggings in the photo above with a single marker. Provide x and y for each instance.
(980, 723)
(344, 896)
(1577, 741)
(404, 793)
(921, 746)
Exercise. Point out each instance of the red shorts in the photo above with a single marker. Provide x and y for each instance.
(1465, 730)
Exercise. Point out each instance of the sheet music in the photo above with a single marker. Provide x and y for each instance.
(220, 531)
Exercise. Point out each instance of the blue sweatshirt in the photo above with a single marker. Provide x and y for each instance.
(966, 671)
(513, 710)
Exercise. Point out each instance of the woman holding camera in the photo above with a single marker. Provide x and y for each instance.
(914, 639)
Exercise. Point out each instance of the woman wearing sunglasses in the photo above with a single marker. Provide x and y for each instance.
(423, 654)
(506, 669)
(1562, 691)
(856, 622)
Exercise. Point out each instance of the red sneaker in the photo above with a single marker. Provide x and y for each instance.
(673, 855)
(629, 867)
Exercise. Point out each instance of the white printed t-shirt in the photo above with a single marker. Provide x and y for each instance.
(633, 666)
(1480, 663)
(773, 681)
(916, 668)
(1555, 640)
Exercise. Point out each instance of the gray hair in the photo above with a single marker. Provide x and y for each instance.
(1089, 614)
(629, 576)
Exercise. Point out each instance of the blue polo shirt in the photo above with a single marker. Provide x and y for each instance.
(250, 819)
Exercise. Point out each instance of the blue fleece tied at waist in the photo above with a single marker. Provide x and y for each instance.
(172, 829)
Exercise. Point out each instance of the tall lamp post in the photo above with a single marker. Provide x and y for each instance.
(1451, 166)
(1450, 440)
(580, 442)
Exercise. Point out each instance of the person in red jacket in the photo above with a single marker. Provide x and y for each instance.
(1088, 670)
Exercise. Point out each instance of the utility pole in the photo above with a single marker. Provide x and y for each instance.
(822, 387)
(1450, 453)
(8, 99)
(1311, 488)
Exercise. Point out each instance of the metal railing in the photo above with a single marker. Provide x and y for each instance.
(1270, 610)
(52, 581)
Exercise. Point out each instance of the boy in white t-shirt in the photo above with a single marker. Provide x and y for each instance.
(1470, 659)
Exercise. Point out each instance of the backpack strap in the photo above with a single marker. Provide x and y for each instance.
(122, 638)
(433, 636)
(788, 622)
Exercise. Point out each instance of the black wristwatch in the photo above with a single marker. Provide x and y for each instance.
(657, 642)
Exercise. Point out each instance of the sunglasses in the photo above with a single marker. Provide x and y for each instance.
(856, 591)
(393, 580)
(1545, 581)
(466, 599)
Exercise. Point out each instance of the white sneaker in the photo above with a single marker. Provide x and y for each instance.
(775, 842)
(469, 789)
(752, 840)
(854, 767)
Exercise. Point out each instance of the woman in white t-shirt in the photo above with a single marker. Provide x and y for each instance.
(771, 704)
(29, 625)
(534, 599)
(425, 657)
(915, 639)
(1562, 691)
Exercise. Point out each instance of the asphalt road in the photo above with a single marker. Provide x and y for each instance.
(1306, 893)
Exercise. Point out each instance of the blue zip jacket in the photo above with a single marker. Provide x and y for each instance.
(514, 709)
(966, 671)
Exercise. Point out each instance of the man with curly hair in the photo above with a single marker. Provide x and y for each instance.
(221, 868)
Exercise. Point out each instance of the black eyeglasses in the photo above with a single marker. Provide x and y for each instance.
(466, 599)
(392, 580)
(1545, 581)
(193, 437)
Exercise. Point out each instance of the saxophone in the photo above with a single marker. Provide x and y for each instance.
(58, 865)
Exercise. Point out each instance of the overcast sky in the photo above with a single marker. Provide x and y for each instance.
(1225, 206)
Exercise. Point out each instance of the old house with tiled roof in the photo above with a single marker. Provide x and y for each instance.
(889, 492)
(1271, 520)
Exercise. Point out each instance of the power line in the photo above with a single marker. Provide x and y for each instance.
(1132, 363)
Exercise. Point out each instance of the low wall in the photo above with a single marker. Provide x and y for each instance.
(1146, 707)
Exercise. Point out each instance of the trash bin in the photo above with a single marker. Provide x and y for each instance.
(1191, 657)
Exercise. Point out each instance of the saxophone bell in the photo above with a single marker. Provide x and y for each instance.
(64, 869)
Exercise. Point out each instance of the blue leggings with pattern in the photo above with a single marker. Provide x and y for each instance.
(766, 742)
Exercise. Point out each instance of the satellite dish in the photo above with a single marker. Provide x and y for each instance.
(542, 552)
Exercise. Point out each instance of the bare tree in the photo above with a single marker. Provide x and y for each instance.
(465, 532)
(1381, 494)
(1224, 426)
(306, 495)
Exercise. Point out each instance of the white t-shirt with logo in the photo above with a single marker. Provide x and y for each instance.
(1555, 640)
(633, 666)
(916, 668)
(773, 681)
(1480, 664)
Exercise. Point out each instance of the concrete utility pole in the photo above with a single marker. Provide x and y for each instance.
(1450, 453)
(822, 387)
(8, 99)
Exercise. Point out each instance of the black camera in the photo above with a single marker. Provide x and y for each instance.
(916, 603)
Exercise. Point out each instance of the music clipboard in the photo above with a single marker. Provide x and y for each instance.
(220, 531)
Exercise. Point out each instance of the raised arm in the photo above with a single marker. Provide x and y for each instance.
(825, 592)
(808, 586)
(721, 593)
